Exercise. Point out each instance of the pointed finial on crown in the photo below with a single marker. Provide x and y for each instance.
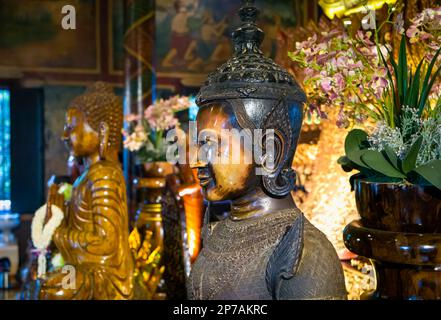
(248, 12)
(248, 37)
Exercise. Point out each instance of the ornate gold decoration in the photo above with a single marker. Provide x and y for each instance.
(148, 268)
(340, 8)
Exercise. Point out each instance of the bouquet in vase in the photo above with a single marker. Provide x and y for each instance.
(145, 134)
(397, 105)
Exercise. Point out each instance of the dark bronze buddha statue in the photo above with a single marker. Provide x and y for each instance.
(266, 249)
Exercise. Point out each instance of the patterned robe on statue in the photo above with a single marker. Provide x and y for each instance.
(93, 238)
(276, 256)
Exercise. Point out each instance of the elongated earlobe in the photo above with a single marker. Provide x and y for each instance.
(104, 139)
(277, 179)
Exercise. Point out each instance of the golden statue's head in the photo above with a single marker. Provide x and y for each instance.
(94, 122)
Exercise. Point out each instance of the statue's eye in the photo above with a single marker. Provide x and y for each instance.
(206, 141)
(208, 147)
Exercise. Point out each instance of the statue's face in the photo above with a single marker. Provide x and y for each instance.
(230, 178)
(80, 138)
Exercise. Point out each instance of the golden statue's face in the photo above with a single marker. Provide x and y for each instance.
(80, 138)
(228, 179)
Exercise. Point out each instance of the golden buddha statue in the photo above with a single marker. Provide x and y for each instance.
(93, 237)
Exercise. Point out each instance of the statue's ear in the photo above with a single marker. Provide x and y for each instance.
(104, 139)
(278, 179)
(272, 151)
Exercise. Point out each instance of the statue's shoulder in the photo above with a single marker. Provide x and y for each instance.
(105, 171)
(285, 259)
(317, 273)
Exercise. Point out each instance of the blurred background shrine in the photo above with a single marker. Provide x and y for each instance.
(151, 50)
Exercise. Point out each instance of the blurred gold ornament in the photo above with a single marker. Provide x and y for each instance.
(148, 271)
(341, 8)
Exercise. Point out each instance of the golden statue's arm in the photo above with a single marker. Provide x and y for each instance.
(94, 240)
(101, 235)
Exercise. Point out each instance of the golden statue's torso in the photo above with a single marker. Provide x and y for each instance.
(93, 237)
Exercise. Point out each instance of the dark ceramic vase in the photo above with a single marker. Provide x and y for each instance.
(400, 229)
(399, 207)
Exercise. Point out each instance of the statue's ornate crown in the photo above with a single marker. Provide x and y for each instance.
(249, 67)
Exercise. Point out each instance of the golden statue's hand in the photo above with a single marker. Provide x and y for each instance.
(56, 199)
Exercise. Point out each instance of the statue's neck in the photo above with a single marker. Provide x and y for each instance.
(256, 204)
(92, 159)
(111, 155)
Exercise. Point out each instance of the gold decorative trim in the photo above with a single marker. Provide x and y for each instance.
(154, 183)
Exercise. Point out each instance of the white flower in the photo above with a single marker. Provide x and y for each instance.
(136, 140)
(57, 261)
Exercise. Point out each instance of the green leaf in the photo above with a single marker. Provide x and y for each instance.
(402, 69)
(355, 140)
(346, 164)
(355, 144)
(392, 157)
(409, 161)
(397, 94)
(431, 172)
(376, 161)
(356, 157)
(406, 99)
(414, 90)
(426, 87)
(425, 94)
(344, 161)
(391, 80)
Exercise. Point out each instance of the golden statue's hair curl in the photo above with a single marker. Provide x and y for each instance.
(100, 104)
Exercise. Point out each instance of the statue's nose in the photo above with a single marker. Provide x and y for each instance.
(65, 137)
(66, 140)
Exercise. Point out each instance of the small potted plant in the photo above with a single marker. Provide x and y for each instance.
(399, 161)
(396, 107)
(390, 101)
(398, 184)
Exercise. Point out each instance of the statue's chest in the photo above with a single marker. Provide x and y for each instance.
(232, 267)
(81, 213)
(230, 276)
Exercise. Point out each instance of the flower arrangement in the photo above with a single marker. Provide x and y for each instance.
(406, 144)
(425, 29)
(361, 77)
(342, 71)
(145, 135)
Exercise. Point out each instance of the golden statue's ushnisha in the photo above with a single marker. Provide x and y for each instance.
(93, 237)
